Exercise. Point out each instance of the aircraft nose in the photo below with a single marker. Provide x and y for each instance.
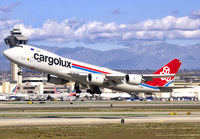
(8, 53)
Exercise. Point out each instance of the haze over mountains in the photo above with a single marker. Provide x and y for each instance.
(141, 57)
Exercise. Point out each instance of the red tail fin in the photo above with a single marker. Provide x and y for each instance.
(56, 90)
(170, 68)
(72, 94)
(15, 89)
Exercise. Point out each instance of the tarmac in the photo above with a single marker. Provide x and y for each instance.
(20, 114)
(54, 120)
(98, 104)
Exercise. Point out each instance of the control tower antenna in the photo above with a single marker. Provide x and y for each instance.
(14, 40)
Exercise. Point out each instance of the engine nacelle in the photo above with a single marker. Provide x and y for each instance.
(133, 79)
(95, 79)
(56, 80)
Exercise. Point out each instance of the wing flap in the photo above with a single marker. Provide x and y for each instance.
(115, 79)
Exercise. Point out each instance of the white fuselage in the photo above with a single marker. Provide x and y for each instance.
(43, 61)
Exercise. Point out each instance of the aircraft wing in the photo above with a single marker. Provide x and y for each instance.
(111, 79)
(118, 78)
(115, 79)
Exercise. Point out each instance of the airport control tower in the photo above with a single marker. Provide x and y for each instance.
(14, 40)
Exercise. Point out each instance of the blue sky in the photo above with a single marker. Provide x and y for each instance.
(103, 25)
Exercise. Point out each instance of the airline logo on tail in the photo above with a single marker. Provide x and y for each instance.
(166, 70)
(170, 68)
(56, 90)
(15, 89)
(73, 93)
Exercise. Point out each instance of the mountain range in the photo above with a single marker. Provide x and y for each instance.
(145, 56)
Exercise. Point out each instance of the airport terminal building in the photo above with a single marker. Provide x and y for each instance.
(39, 85)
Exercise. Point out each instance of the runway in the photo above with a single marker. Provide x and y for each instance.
(58, 113)
(75, 118)
(96, 120)
(100, 104)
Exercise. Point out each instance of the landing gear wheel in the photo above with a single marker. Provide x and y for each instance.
(77, 88)
(94, 90)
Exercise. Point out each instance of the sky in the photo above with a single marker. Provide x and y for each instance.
(104, 24)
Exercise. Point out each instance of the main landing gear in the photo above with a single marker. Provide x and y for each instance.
(94, 90)
(77, 88)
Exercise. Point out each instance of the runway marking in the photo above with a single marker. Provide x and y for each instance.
(5, 124)
(160, 121)
(86, 122)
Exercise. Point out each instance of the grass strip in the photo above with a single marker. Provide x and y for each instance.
(129, 131)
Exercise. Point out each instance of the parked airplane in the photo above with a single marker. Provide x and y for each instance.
(66, 96)
(73, 93)
(3, 97)
(84, 95)
(61, 70)
(115, 96)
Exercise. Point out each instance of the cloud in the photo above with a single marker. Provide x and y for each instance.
(169, 27)
(5, 26)
(175, 12)
(8, 8)
(194, 14)
(118, 11)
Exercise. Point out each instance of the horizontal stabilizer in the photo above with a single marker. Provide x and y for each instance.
(149, 77)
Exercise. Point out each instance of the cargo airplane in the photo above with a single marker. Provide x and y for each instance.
(61, 70)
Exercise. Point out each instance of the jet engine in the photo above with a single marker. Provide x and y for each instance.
(95, 79)
(56, 80)
(133, 79)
